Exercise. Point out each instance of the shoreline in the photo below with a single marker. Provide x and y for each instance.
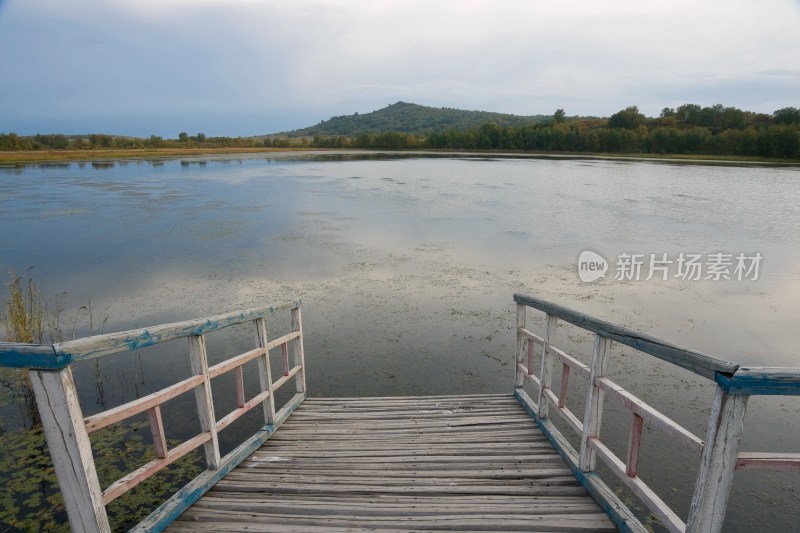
(56, 156)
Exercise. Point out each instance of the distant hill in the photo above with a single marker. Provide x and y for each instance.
(413, 118)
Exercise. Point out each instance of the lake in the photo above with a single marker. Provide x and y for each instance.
(407, 266)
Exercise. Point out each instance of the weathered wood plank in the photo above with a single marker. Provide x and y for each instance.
(562, 392)
(762, 380)
(157, 431)
(768, 461)
(418, 506)
(205, 403)
(653, 417)
(168, 511)
(523, 345)
(570, 361)
(32, 356)
(298, 351)
(286, 377)
(240, 411)
(127, 410)
(634, 445)
(665, 515)
(694, 361)
(529, 376)
(127, 482)
(68, 440)
(234, 362)
(717, 463)
(568, 416)
(449, 469)
(620, 514)
(546, 372)
(265, 370)
(227, 522)
(100, 345)
(595, 397)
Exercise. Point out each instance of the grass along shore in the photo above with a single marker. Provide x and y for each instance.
(43, 156)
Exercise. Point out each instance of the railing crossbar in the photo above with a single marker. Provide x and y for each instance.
(720, 451)
(68, 431)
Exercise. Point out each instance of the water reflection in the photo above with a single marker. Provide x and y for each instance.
(407, 265)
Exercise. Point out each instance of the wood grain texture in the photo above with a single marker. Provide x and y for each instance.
(595, 398)
(524, 345)
(717, 463)
(100, 345)
(127, 482)
(157, 430)
(546, 372)
(68, 441)
(762, 381)
(127, 410)
(440, 463)
(298, 350)
(653, 417)
(205, 403)
(264, 370)
(768, 461)
(653, 501)
(32, 356)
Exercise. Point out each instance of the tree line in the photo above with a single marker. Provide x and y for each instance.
(99, 141)
(689, 129)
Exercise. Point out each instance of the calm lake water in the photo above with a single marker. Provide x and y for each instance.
(407, 267)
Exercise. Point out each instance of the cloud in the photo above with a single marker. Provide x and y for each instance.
(208, 59)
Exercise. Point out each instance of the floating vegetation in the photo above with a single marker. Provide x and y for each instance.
(29, 495)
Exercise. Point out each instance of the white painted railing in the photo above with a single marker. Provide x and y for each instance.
(67, 431)
(719, 452)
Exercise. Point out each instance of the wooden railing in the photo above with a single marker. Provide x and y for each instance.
(719, 453)
(67, 431)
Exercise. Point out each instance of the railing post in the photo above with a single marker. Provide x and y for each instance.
(546, 375)
(521, 345)
(595, 396)
(70, 448)
(265, 371)
(717, 464)
(297, 351)
(205, 403)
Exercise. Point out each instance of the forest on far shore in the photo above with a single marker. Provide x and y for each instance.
(686, 130)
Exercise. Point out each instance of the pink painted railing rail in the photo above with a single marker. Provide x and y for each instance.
(719, 454)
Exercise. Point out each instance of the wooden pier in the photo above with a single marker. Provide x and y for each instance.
(462, 463)
(458, 463)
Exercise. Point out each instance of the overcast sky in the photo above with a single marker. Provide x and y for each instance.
(247, 67)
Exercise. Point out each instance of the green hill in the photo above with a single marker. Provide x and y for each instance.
(413, 118)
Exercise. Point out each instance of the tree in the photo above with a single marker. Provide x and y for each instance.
(559, 116)
(787, 115)
(201, 137)
(183, 137)
(687, 113)
(629, 118)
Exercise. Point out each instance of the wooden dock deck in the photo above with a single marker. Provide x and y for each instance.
(457, 463)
